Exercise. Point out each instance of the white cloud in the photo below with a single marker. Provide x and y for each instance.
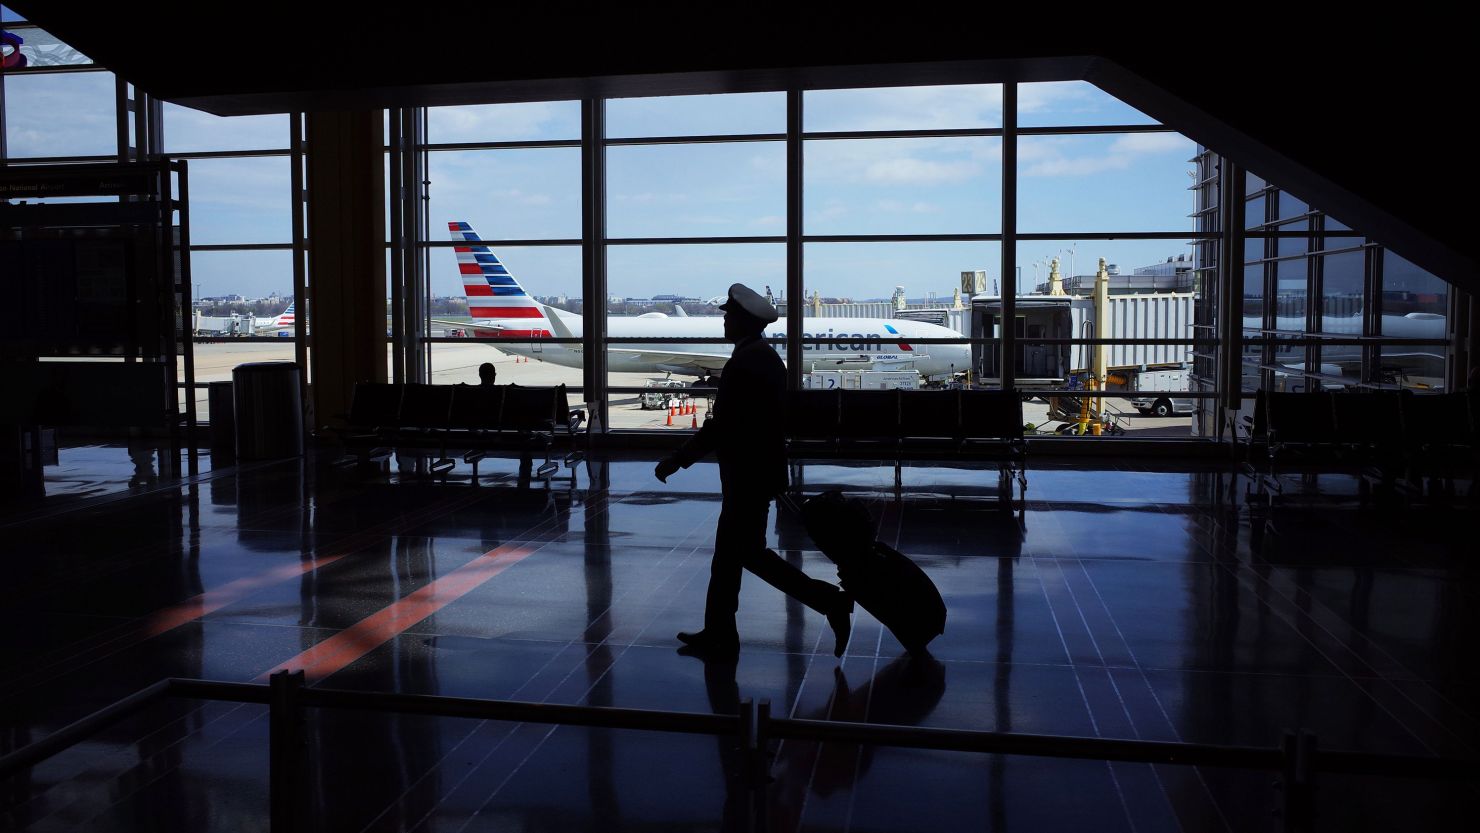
(890, 162)
(1152, 143)
(946, 107)
(1080, 156)
(499, 122)
(769, 221)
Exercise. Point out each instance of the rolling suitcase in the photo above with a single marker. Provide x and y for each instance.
(881, 579)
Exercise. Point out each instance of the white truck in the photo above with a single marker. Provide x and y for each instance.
(1164, 381)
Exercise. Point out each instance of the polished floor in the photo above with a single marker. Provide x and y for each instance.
(1126, 600)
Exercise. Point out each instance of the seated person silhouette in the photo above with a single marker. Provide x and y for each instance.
(745, 429)
(487, 373)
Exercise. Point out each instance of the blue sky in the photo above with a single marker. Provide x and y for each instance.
(1117, 182)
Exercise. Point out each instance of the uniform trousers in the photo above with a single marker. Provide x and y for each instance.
(740, 543)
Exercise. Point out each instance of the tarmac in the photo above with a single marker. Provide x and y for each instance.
(453, 363)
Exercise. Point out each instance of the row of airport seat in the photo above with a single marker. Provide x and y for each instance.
(473, 418)
(1392, 440)
(900, 425)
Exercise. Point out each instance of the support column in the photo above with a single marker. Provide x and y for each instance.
(795, 276)
(1007, 336)
(593, 258)
(1230, 349)
(346, 257)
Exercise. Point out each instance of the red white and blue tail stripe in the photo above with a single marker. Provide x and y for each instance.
(286, 319)
(491, 291)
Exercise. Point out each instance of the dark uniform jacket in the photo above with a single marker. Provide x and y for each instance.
(746, 427)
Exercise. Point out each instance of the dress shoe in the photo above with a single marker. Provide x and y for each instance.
(701, 643)
(841, 620)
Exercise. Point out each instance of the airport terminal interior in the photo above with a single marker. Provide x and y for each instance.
(237, 597)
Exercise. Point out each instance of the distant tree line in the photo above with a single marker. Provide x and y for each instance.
(263, 308)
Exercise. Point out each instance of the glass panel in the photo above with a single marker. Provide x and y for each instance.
(903, 108)
(667, 291)
(1254, 297)
(1128, 182)
(8, 16)
(39, 48)
(507, 194)
(1134, 265)
(214, 362)
(241, 200)
(533, 121)
(1290, 294)
(903, 186)
(549, 275)
(714, 190)
(1072, 103)
(242, 275)
(1253, 249)
(1290, 206)
(863, 289)
(1342, 292)
(1415, 304)
(1417, 368)
(1341, 362)
(1253, 183)
(696, 115)
(1333, 224)
(1254, 212)
(1151, 287)
(187, 130)
(1293, 245)
(70, 114)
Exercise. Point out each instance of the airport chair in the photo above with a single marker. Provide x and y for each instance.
(1301, 427)
(1439, 440)
(475, 411)
(812, 421)
(374, 414)
(992, 429)
(868, 425)
(930, 421)
(929, 425)
(423, 422)
(1369, 436)
(532, 415)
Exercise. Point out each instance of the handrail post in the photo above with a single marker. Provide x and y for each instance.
(747, 750)
(758, 768)
(1297, 783)
(285, 752)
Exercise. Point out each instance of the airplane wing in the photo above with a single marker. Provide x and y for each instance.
(708, 362)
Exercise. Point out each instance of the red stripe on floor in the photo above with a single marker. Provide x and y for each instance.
(233, 591)
(364, 636)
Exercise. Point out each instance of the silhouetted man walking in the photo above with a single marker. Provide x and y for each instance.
(745, 430)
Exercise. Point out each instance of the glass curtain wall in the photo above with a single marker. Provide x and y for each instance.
(59, 107)
(1326, 308)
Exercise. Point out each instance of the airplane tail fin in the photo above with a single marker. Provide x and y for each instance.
(492, 292)
(286, 319)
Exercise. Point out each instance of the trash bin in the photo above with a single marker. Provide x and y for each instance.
(269, 411)
(222, 420)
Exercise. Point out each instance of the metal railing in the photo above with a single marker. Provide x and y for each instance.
(1298, 760)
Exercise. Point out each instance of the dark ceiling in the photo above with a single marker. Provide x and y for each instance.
(1369, 105)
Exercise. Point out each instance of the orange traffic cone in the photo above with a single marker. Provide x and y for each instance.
(695, 423)
(670, 415)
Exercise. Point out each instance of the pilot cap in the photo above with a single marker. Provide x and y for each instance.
(744, 299)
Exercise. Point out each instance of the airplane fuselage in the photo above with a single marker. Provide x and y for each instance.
(928, 359)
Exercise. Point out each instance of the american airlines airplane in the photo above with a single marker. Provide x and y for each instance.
(501, 309)
(286, 321)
